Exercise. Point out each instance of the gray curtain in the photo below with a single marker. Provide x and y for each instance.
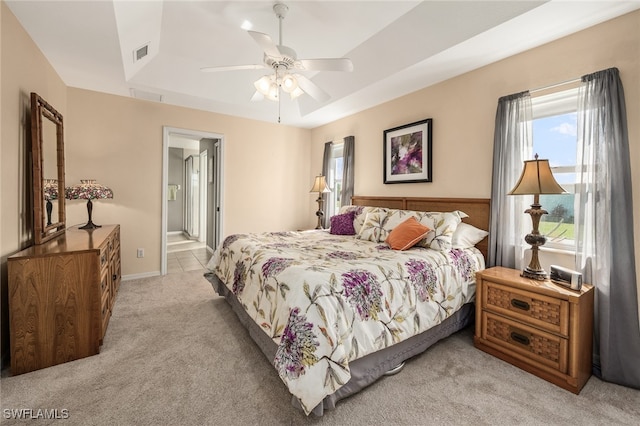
(604, 226)
(512, 144)
(348, 151)
(326, 164)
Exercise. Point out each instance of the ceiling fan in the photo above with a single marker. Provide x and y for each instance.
(284, 61)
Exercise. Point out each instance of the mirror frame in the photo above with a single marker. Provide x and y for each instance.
(41, 109)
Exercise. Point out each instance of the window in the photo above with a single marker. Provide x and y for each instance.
(335, 178)
(555, 138)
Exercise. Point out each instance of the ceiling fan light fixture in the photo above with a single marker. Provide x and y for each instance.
(263, 84)
(289, 83)
(273, 92)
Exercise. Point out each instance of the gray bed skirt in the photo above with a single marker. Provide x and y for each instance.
(365, 370)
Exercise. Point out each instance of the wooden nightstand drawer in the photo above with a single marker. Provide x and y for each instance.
(549, 313)
(535, 325)
(537, 346)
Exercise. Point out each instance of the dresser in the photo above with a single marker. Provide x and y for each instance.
(61, 295)
(538, 326)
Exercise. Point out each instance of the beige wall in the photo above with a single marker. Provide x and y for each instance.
(118, 141)
(463, 112)
(24, 70)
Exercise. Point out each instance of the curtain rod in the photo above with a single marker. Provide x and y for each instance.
(551, 86)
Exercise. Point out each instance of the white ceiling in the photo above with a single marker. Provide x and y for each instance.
(397, 47)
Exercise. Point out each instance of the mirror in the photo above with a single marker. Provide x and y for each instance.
(47, 153)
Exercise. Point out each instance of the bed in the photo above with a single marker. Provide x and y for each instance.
(334, 313)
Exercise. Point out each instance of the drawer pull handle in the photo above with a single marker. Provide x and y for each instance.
(520, 304)
(115, 277)
(517, 337)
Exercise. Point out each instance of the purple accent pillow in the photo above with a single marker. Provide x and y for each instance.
(342, 224)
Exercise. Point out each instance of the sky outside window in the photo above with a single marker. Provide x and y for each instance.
(554, 138)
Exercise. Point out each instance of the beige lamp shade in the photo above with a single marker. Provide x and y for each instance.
(320, 185)
(536, 179)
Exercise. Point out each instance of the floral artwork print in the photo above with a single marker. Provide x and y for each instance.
(406, 154)
(326, 300)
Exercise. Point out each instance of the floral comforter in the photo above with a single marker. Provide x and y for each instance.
(327, 299)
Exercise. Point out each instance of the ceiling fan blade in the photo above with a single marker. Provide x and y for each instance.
(233, 68)
(265, 42)
(257, 96)
(311, 88)
(328, 64)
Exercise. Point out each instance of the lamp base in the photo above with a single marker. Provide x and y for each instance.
(320, 212)
(534, 274)
(90, 225)
(535, 239)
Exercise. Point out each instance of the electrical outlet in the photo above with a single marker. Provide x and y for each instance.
(140, 252)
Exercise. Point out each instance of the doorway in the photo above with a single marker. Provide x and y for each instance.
(191, 197)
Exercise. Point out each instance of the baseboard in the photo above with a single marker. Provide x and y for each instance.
(139, 276)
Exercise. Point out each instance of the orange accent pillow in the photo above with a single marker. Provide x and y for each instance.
(407, 234)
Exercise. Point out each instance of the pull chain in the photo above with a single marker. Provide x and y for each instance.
(278, 84)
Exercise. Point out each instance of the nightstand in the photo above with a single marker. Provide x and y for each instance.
(538, 326)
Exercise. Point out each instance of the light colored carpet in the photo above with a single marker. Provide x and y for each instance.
(174, 354)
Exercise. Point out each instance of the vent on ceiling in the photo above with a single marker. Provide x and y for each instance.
(147, 96)
(140, 52)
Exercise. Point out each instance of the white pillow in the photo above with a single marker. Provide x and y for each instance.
(466, 236)
(372, 228)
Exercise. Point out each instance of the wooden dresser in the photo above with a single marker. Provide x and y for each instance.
(61, 294)
(538, 326)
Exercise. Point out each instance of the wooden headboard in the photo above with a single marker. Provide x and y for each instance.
(478, 209)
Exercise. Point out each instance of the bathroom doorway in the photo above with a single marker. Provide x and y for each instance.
(192, 193)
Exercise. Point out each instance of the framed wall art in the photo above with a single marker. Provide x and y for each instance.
(407, 153)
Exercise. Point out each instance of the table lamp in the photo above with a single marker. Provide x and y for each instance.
(320, 186)
(536, 179)
(88, 190)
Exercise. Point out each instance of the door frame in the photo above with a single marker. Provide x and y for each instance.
(167, 132)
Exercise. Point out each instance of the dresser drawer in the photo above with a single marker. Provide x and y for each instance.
(104, 283)
(116, 243)
(104, 256)
(535, 346)
(105, 314)
(116, 275)
(548, 313)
